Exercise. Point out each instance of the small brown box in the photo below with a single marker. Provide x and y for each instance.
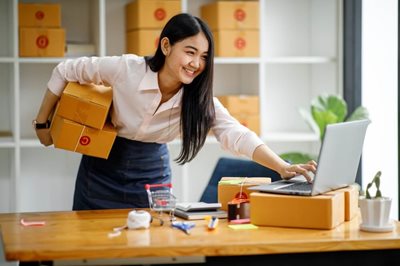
(230, 188)
(252, 122)
(85, 104)
(39, 15)
(241, 104)
(237, 43)
(142, 42)
(231, 15)
(72, 136)
(324, 211)
(150, 14)
(41, 42)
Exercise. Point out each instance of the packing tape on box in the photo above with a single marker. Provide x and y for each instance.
(238, 209)
(79, 139)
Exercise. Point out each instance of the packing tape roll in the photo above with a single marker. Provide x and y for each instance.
(238, 210)
(138, 219)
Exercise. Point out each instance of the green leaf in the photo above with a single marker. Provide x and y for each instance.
(306, 114)
(328, 109)
(297, 157)
(359, 114)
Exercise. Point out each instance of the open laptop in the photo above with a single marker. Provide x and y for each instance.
(338, 162)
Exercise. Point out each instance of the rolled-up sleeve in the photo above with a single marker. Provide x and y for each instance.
(233, 136)
(85, 70)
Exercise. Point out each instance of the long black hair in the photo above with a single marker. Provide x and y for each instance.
(197, 114)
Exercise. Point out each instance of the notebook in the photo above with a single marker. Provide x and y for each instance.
(338, 162)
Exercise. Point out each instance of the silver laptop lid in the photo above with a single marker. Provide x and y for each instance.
(339, 155)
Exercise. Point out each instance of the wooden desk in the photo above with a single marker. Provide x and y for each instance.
(84, 235)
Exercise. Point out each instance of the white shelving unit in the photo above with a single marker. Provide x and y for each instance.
(301, 57)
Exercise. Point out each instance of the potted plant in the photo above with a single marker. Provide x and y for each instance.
(324, 110)
(375, 210)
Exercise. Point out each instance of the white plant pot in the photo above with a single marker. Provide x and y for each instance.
(375, 214)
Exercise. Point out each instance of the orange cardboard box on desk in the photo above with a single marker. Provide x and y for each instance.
(80, 121)
(325, 211)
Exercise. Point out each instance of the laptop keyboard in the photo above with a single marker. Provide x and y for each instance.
(301, 186)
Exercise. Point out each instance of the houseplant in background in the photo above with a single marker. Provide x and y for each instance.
(324, 110)
(375, 210)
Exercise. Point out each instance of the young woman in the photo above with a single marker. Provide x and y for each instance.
(155, 100)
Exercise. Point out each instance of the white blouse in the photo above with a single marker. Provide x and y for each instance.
(136, 96)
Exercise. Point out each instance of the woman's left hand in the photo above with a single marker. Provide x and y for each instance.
(292, 170)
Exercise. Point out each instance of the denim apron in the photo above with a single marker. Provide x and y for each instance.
(118, 182)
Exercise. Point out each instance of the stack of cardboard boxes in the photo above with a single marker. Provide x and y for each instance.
(80, 122)
(144, 22)
(245, 108)
(40, 32)
(235, 26)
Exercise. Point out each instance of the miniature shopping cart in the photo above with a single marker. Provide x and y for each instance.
(161, 199)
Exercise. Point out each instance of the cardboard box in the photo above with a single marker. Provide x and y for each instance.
(237, 43)
(142, 42)
(351, 194)
(38, 42)
(241, 104)
(150, 14)
(317, 212)
(39, 15)
(72, 136)
(85, 104)
(252, 122)
(231, 15)
(237, 187)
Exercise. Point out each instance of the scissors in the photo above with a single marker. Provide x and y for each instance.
(183, 226)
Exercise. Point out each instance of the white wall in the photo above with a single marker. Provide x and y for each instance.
(379, 94)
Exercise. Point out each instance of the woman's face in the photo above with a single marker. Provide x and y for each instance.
(186, 59)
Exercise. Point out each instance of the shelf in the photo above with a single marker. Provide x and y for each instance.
(300, 60)
(7, 142)
(7, 60)
(237, 60)
(30, 143)
(291, 137)
(45, 60)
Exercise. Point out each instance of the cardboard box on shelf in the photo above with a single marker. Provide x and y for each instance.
(252, 122)
(231, 15)
(237, 187)
(150, 14)
(142, 42)
(41, 42)
(324, 211)
(241, 104)
(85, 104)
(237, 43)
(39, 15)
(72, 136)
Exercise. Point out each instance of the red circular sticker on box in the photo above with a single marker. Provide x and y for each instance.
(84, 140)
(160, 14)
(39, 15)
(239, 14)
(42, 41)
(241, 196)
(240, 43)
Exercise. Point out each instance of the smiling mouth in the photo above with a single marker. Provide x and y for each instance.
(189, 71)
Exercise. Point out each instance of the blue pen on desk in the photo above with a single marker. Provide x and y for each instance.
(183, 226)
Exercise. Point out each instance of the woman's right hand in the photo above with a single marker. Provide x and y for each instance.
(44, 136)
